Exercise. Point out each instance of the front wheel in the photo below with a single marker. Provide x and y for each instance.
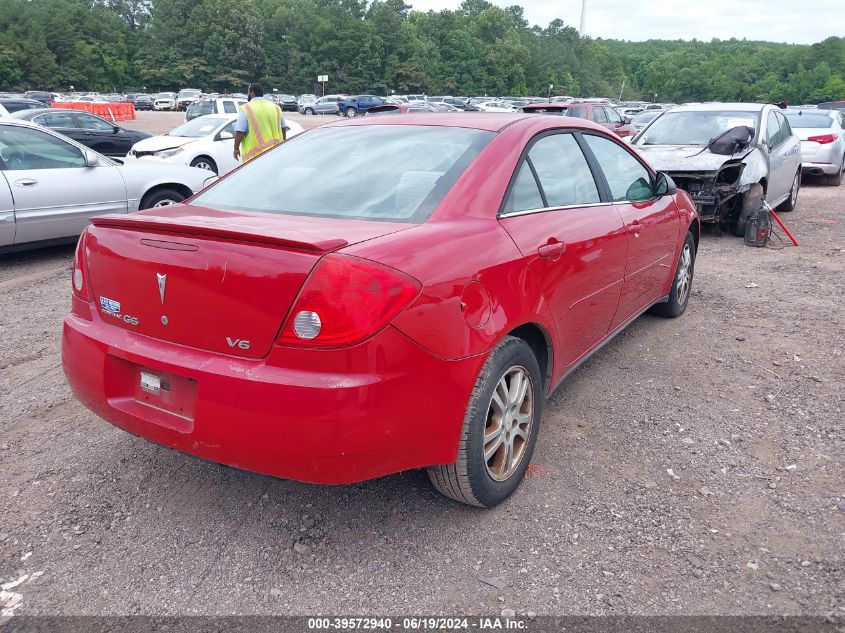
(676, 305)
(790, 203)
(204, 162)
(161, 198)
(351, 113)
(499, 430)
(309, 111)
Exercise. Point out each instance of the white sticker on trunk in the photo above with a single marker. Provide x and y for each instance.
(150, 382)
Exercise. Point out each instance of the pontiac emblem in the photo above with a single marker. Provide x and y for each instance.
(162, 285)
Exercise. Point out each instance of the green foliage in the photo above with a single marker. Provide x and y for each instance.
(383, 45)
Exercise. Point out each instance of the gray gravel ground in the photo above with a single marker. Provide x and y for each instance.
(741, 399)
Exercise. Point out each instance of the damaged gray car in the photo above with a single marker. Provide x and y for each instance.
(729, 157)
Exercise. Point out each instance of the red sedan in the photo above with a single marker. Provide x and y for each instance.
(604, 115)
(412, 307)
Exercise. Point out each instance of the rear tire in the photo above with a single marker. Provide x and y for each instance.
(792, 201)
(309, 112)
(161, 198)
(499, 431)
(681, 283)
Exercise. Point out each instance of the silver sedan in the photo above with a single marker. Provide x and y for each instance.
(50, 186)
(822, 134)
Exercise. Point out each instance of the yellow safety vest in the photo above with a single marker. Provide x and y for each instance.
(265, 127)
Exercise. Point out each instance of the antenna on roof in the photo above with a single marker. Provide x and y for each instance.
(583, 17)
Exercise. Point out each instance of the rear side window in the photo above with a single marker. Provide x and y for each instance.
(56, 119)
(564, 176)
(379, 172)
(89, 122)
(580, 113)
(627, 177)
(229, 107)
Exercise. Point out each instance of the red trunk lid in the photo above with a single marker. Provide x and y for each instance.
(214, 280)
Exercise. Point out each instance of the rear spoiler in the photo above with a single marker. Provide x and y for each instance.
(226, 229)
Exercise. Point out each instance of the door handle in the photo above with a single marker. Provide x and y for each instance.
(552, 250)
(26, 182)
(634, 228)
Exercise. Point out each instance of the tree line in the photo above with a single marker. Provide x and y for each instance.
(383, 45)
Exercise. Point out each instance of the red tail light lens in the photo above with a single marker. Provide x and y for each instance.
(823, 139)
(81, 297)
(346, 300)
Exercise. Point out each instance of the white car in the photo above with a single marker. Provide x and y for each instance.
(50, 186)
(496, 106)
(164, 101)
(822, 134)
(205, 142)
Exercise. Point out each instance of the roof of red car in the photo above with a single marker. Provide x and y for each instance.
(488, 121)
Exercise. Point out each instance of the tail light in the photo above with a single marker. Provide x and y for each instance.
(81, 296)
(346, 300)
(824, 139)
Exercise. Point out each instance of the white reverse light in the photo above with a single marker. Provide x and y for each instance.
(307, 324)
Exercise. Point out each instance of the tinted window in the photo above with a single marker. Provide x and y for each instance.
(563, 171)
(578, 112)
(627, 177)
(17, 106)
(229, 107)
(23, 148)
(525, 194)
(381, 172)
(89, 122)
(56, 119)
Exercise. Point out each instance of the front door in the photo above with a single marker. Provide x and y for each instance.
(781, 173)
(7, 213)
(101, 136)
(55, 194)
(574, 243)
(652, 224)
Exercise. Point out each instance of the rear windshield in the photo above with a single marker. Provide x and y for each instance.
(199, 108)
(803, 119)
(380, 172)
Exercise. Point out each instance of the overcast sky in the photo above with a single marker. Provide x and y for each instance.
(772, 20)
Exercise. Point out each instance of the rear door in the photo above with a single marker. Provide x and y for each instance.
(223, 149)
(573, 242)
(791, 149)
(652, 225)
(54, 192)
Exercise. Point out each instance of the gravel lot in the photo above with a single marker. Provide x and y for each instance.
(693, 466)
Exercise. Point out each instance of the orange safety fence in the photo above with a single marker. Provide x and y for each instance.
(108, 110)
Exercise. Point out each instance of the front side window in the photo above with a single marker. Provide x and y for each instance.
(612, 115)
(785, 130)
(229, 107)
(380, 172)
(23, 148)
(564, 175)
(773, 129)
(628, 178)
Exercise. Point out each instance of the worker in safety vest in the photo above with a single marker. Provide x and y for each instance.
(260, 125)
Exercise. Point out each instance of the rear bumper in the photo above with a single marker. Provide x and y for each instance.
(816, 169)
(331, 417)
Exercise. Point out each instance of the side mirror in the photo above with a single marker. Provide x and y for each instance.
(664, 185)
(115, 130)
(91, 159)
(223, 136)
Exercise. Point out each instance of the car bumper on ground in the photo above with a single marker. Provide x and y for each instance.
(332, 417)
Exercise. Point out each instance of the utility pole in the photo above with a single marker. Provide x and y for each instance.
(583, 17)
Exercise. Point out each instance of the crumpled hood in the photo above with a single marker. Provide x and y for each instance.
(675, 158)
(158, 143)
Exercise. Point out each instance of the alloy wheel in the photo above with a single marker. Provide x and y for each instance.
(164, 203)
(684, 274)
(509, 423)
